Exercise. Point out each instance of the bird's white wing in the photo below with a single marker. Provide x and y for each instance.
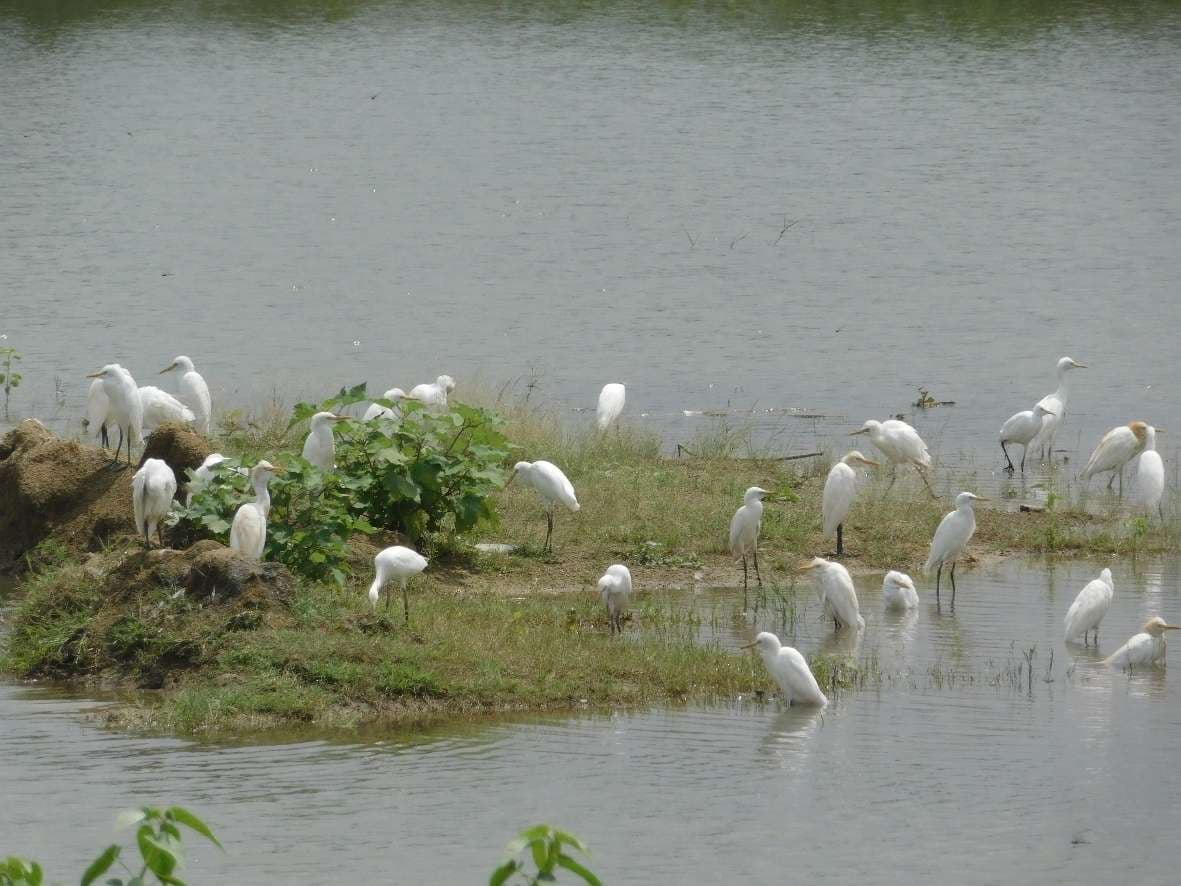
(743, 531)
(840, 489)
(798, 676)
(97, 405)
(248, 531)
(1087, 610)
(941, 542)
(1136, 652)
(611, 401)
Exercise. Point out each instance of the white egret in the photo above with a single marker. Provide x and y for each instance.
(1145, 648)
(399, 563)
(900, 444)
(202, 475)
(840, 489)
(152, 489)
(434, 396)
(376, 410)
(248, 532)
(1021, 429)
(951, 538)
(745, 526)
(1055, 405)
(615, 590)
(124, 410)
(611, 400)
(160, 406)
(194, 393)
(1118, 447)
(1089, 607)
(898, 591)
(789, 670)
(320, 446)
(553, 487)
(97, 406)
(834, 587)
(1149, 484)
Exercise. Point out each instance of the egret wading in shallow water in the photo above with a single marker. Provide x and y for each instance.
(789, 670)
(97, 406)
(376, 410)
(551, 484)
(898, 591)
(396, 563)
(611, 400)
(1021, 429)
(1055, 406)
(159, 407)
(1143, 649)
(124, 409)
(900, 444)
(248, 532)
(840, 489)
(834, 587)
(202, 476)
(1148, 486)
(320, 446)
(152, 489)
(615, 590)
(194, 393)
(745, 526)
(1118, 447)
(1089, 607)
(434, 396)
(951, 538)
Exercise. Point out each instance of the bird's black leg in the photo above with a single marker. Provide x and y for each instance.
(119, 445)
(104, 437)
(953, 562)
(938, 575)
(405, 604)
(1111, 480)
(926, 482)
(1024, 451)
(893, 477)
(1009, 460)
(744, 583)
(549, 530)
(840, 540)
(757, 575)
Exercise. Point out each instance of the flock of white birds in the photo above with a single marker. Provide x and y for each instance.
(115, 402)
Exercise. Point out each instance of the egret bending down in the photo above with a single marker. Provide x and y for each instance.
(1021, 429)
(611, 400)
(248, 532)
(789, 670)
(1145, 648)
(125, 410)
(159, 406)
(398, 563)
(1118, 447)
(840, 489)
(194, 393)
(434, 396)
(1055, 405)
(320, 446)
(615, 590)
(898, 591)
(152, 489)
(745, 526)
(376, 410)
(834, 587)
(1149, 484)
(1089, 607)
(901, 445)
(951, 538)
(551, 484)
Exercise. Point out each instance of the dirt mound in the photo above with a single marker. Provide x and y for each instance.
(180, 447)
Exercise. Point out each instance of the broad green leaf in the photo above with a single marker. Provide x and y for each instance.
(191, 821)
(574, 867)
(502, 873)
(101, 865)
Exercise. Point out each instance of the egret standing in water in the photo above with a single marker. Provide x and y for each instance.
(395, 563)
(1055, 406)
(615, 590)
(97, 407)
(194, 393)
(840, 489)
(901, 445)
(125, 409)
(1021, 429)
(789, 670)
(376, 410)
(898, 591)
(1143, 649)
(1118, 447)
(1148, 486)
(834, 587)
(248, 532)
(611, 400)
(152, 489)
(1089, 607)
(160, 406)
(951, 538)
(551, 484)
(745, 526)
(434, 396)
(320, 446)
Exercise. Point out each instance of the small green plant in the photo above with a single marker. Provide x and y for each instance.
(9, 377)
(547, 845)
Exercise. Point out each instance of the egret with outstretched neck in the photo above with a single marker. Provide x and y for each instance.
(395, 563)
(951, 539)
(551, 484)
(1055, 405)
(124, 409)
(790, 671)
(840, 490)
(900, 444)
(194, 393)
(248, 532)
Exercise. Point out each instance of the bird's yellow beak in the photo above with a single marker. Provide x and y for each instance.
(278, 469)
(1160, 430)
(856, 433)
(1079, 365)
(168, 368)
(805, 565)
(751, 644)
(95, 375)
(982, 498)
(340, 418)
(1171, 627)
(869, 461)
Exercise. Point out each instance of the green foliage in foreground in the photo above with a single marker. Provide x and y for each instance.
(548, 848)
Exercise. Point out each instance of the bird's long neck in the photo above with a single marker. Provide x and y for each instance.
(1150, 440)
(262, 495)
(756, 507)
(1063, 386)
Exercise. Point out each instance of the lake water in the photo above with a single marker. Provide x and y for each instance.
(949, 771)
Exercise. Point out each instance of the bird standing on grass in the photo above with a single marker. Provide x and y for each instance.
(611, 400)
(898, 591)
(320, 446)
(1089, 607)
(124, 409)
(834, 587)
(789, 670)
(901, 445)
(395, 563)
(551, 484)
(434, 396)
(194, 393)
(615, 590)
(248, 532)
(1021, 429)
(1118, 447)
(152, 489)
(951, 538)
(1143, 649)
(1055, 406)
(840, 489)
(1149, 484)
(745, 526)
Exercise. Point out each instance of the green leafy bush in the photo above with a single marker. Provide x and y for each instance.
(548, 847)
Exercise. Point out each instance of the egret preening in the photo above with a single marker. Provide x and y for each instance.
(376, 410)
(615, 590)
(320, 446)
(248, 532)
(951, 538)
(898, 591)
(1118, 447)
(789, 670)
(194, 393)
(124, 409)
(152, 489)
(434, 396)
(160, 406)
(1089, 607)
(611, 400)
(901, 445)
(834, 587)
(553, 487)
(1145, 648)
(840, 489)
(398, 563)
(745, 526)
(1022, 428)
(97, 406)
(1148, 485)
(202, 476)
(1055, 405)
